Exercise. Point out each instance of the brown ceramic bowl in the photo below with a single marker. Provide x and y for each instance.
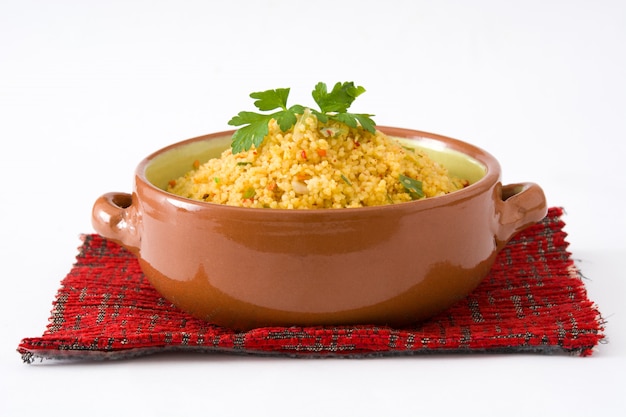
(388, 265)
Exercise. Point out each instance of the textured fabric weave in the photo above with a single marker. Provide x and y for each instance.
(533, 300)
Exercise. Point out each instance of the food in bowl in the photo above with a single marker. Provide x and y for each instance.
(318, 165)
(316, 162)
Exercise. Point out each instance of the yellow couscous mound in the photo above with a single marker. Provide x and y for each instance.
(315, 165)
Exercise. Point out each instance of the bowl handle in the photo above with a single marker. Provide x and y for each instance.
(115, 217)
(518, 206)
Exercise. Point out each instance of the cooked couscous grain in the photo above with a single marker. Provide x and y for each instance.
(315, 165)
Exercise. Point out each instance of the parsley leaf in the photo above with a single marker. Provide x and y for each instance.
(339, 99)
(332, 105)
(252, 134)
(257, 124)
(271, 99)
(354, 120)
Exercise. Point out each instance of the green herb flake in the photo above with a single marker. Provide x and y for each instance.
(413, 186)
(249, 193)
(216, 180)
(244, 163)
(346, 180)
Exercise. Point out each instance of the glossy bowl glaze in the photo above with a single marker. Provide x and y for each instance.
(389, 265)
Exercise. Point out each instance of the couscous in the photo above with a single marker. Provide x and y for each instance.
(316, 165)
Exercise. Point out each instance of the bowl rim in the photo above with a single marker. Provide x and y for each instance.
(489, 179)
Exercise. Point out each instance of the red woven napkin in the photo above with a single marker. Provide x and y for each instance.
(533, 300)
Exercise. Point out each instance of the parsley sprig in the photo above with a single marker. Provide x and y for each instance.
(333, 105)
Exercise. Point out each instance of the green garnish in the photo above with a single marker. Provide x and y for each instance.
(249, 193)
(413, 186)
(257, 124)
(333, 105)
(244, 163)
(346, 180)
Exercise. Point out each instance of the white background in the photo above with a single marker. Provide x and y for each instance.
(89, 88)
